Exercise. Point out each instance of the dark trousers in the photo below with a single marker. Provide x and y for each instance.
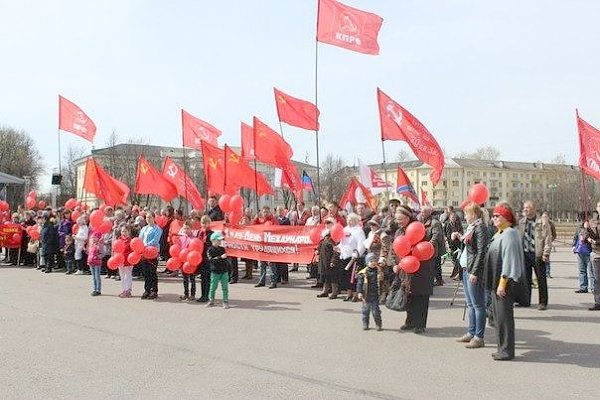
(371, 305)
(416, 312)
(150, 276)
(50, 261)
(533, 263)
(204, 283)
(283, 273)
(438, 268)
(233, 269)
(189, 282)
(250, 264)
(504, 321)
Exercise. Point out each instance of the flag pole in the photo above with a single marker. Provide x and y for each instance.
(256, 185)
(317, 107)
(185, 180)
(384, 165)
(583, 185)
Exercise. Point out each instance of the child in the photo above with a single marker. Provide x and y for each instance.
(185, 237)
(368, 291)
(69, 254)
(218, 270)
(126, 270)
(94, 261)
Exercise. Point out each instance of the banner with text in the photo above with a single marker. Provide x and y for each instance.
(285, 244)
(10, 236)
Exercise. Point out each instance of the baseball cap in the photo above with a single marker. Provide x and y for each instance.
(216, 236)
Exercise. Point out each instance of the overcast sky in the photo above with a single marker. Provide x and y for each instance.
(508, 74)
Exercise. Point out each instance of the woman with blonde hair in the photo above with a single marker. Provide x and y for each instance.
(352, 249)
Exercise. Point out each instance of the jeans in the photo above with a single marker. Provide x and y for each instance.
(214, 282)
(189, 282)
(475, 296)
(371, 305)
(263, 273)
(95, 270)
(70, 264)
(586, 272)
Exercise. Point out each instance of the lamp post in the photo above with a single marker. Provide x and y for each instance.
(552, 187)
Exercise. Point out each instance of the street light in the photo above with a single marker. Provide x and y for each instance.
(552, 187)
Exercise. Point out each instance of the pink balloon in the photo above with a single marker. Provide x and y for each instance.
(224, 202)
(415, 232)
(410, 264)
(137, 245)
(401, 246)
(173, 264)
(134, 258)
(118, 246)
(337, 232)
(479, 193)
(423, 251)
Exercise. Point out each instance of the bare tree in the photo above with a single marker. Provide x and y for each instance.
(488, 153)
(559, 159)
(68, 186)
(19, 157)
(335, 176)
(404, 155)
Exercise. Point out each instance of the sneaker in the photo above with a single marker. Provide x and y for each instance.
(183, 298)
(419, 330)
(225, 305)
(145, 295)
(192, 298)
(273, 286)
(152, 295)
(259, 285)
(542, 307)
(95, 293)
(581, 291)
(210, 303)
(595, 307)
(79, 272)
(466, 338)
(202, 300)
(475, 343)
(379, 328)
(406, 327)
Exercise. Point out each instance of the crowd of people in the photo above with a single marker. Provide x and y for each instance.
(494, 256)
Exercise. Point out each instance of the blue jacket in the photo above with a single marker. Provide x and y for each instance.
(150, 235)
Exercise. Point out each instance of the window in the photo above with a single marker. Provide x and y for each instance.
(454, 173)
(468, 173)
(499, 184)
(423, 183)
(500, 174)
(493, 174)
(455, 203)
(485, 174)
(455, 183)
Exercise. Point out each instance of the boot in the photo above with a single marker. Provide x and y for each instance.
(317, 286)
(325, 291)
(335, 290)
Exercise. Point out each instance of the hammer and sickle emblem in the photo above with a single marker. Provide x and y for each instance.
(234, 158)
(172, 171)
(213, 163)
(281, 99)
(144, 168)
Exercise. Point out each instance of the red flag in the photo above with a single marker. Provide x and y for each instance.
(184, 185)
(589, 148)
(196, 131)
(213, 160)
(104, 186)
(150, 181)
(404, 187)
(296, 112)
(358, 193)
(247, 142)
(72, 119)
(398, 124)
(347, 27)
(269, 146)
(424, 200)
(290, 178)
(240, 174)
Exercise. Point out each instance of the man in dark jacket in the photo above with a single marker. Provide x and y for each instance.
(49, 240)
(214, 211)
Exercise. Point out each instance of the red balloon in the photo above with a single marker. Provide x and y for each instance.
(30, 202)
(315, 234)
(137, 245)
(224, 202)
(4, 206)
(116, 261)
(161, 221)
(423, 251)
(410, 264)
(41, 204)
(75, 215)
(32, 194)
(174, 250)
(183, 255)
(173, 264)
(71, 203)
(133, 258)
(118, 246)
(74, 229)
(236, 203)
(96, 218)
(415, 232)
(35, 234)
(150, 252)
(105, 226)
(479, 193)
(196, 244)
(188, 268)
(401, 246)
(111, 263)
(194, 258)
(337, 232)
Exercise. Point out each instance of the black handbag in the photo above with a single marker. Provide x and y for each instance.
(397, 299)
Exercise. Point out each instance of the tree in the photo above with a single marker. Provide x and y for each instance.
(404, 155)
(335, 176)
(488, 153)
(19, 157)
(68, 185)
(559, 159)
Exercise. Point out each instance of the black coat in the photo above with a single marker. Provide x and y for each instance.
(49, 238)
(476, 249)
(421, 282)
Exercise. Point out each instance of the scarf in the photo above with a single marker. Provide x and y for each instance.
(468, 236)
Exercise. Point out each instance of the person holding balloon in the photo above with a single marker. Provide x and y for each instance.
(126, 270)
(189, 279)
(150, 236)
(474, 245)
(419, 270)
(352, 249)
(81, 237)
